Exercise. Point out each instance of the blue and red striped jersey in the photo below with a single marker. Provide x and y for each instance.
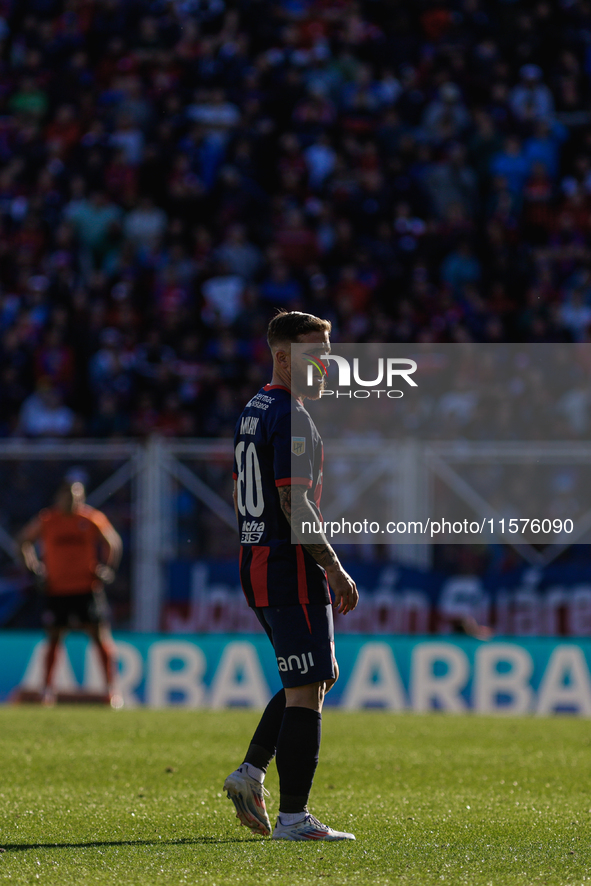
(273, 426)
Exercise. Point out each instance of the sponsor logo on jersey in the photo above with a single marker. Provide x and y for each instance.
(260, 401)
(301, 662)
(252, 532)
(298, 445)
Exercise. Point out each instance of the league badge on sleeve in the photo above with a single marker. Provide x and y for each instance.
(298, 445)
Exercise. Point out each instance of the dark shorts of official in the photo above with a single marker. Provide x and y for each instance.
(75, 610)
(303, 640)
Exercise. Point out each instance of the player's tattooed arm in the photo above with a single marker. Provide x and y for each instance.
(298, 510)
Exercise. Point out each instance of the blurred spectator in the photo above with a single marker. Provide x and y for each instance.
(145, 225)
(109, 420)
(296, 242)
(460, 267)
(238, 255)
(109, 369)
(544, 147)
(451, 182)
(172, 173)
(279, 288)
(43, 413)
(576, 316)
(512, 165)
(213, 111)
(531, 99)
(28, 100)
(93, 220)
(445, 118)
(223, 296)
(321, 160)
(129, 139)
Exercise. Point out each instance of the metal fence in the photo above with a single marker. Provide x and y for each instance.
(171, 499)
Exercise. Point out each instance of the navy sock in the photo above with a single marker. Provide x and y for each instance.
(264, 741)
(297, 757)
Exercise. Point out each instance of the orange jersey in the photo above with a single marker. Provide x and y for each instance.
(70, 548)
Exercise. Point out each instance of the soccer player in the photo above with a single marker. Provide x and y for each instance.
(286, 584)
(72, 535)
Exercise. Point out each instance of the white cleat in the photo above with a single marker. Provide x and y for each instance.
(248, 796)
(309, 828)
(116, 700)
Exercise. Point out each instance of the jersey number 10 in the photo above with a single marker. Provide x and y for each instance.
(248, 484)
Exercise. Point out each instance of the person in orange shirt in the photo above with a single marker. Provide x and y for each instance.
(80, 551)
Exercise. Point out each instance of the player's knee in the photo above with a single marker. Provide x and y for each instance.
(330, 683)
(316, 694)
(309, 696)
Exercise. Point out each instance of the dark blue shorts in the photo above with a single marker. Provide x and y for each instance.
(303, 640)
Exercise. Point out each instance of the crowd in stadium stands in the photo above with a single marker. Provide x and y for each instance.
(171, 171)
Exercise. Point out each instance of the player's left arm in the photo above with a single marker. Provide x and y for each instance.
(297, 507)
(298, 510)
(26, 540)
(112, 546)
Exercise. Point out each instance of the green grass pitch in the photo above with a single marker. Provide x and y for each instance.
(134, 797)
